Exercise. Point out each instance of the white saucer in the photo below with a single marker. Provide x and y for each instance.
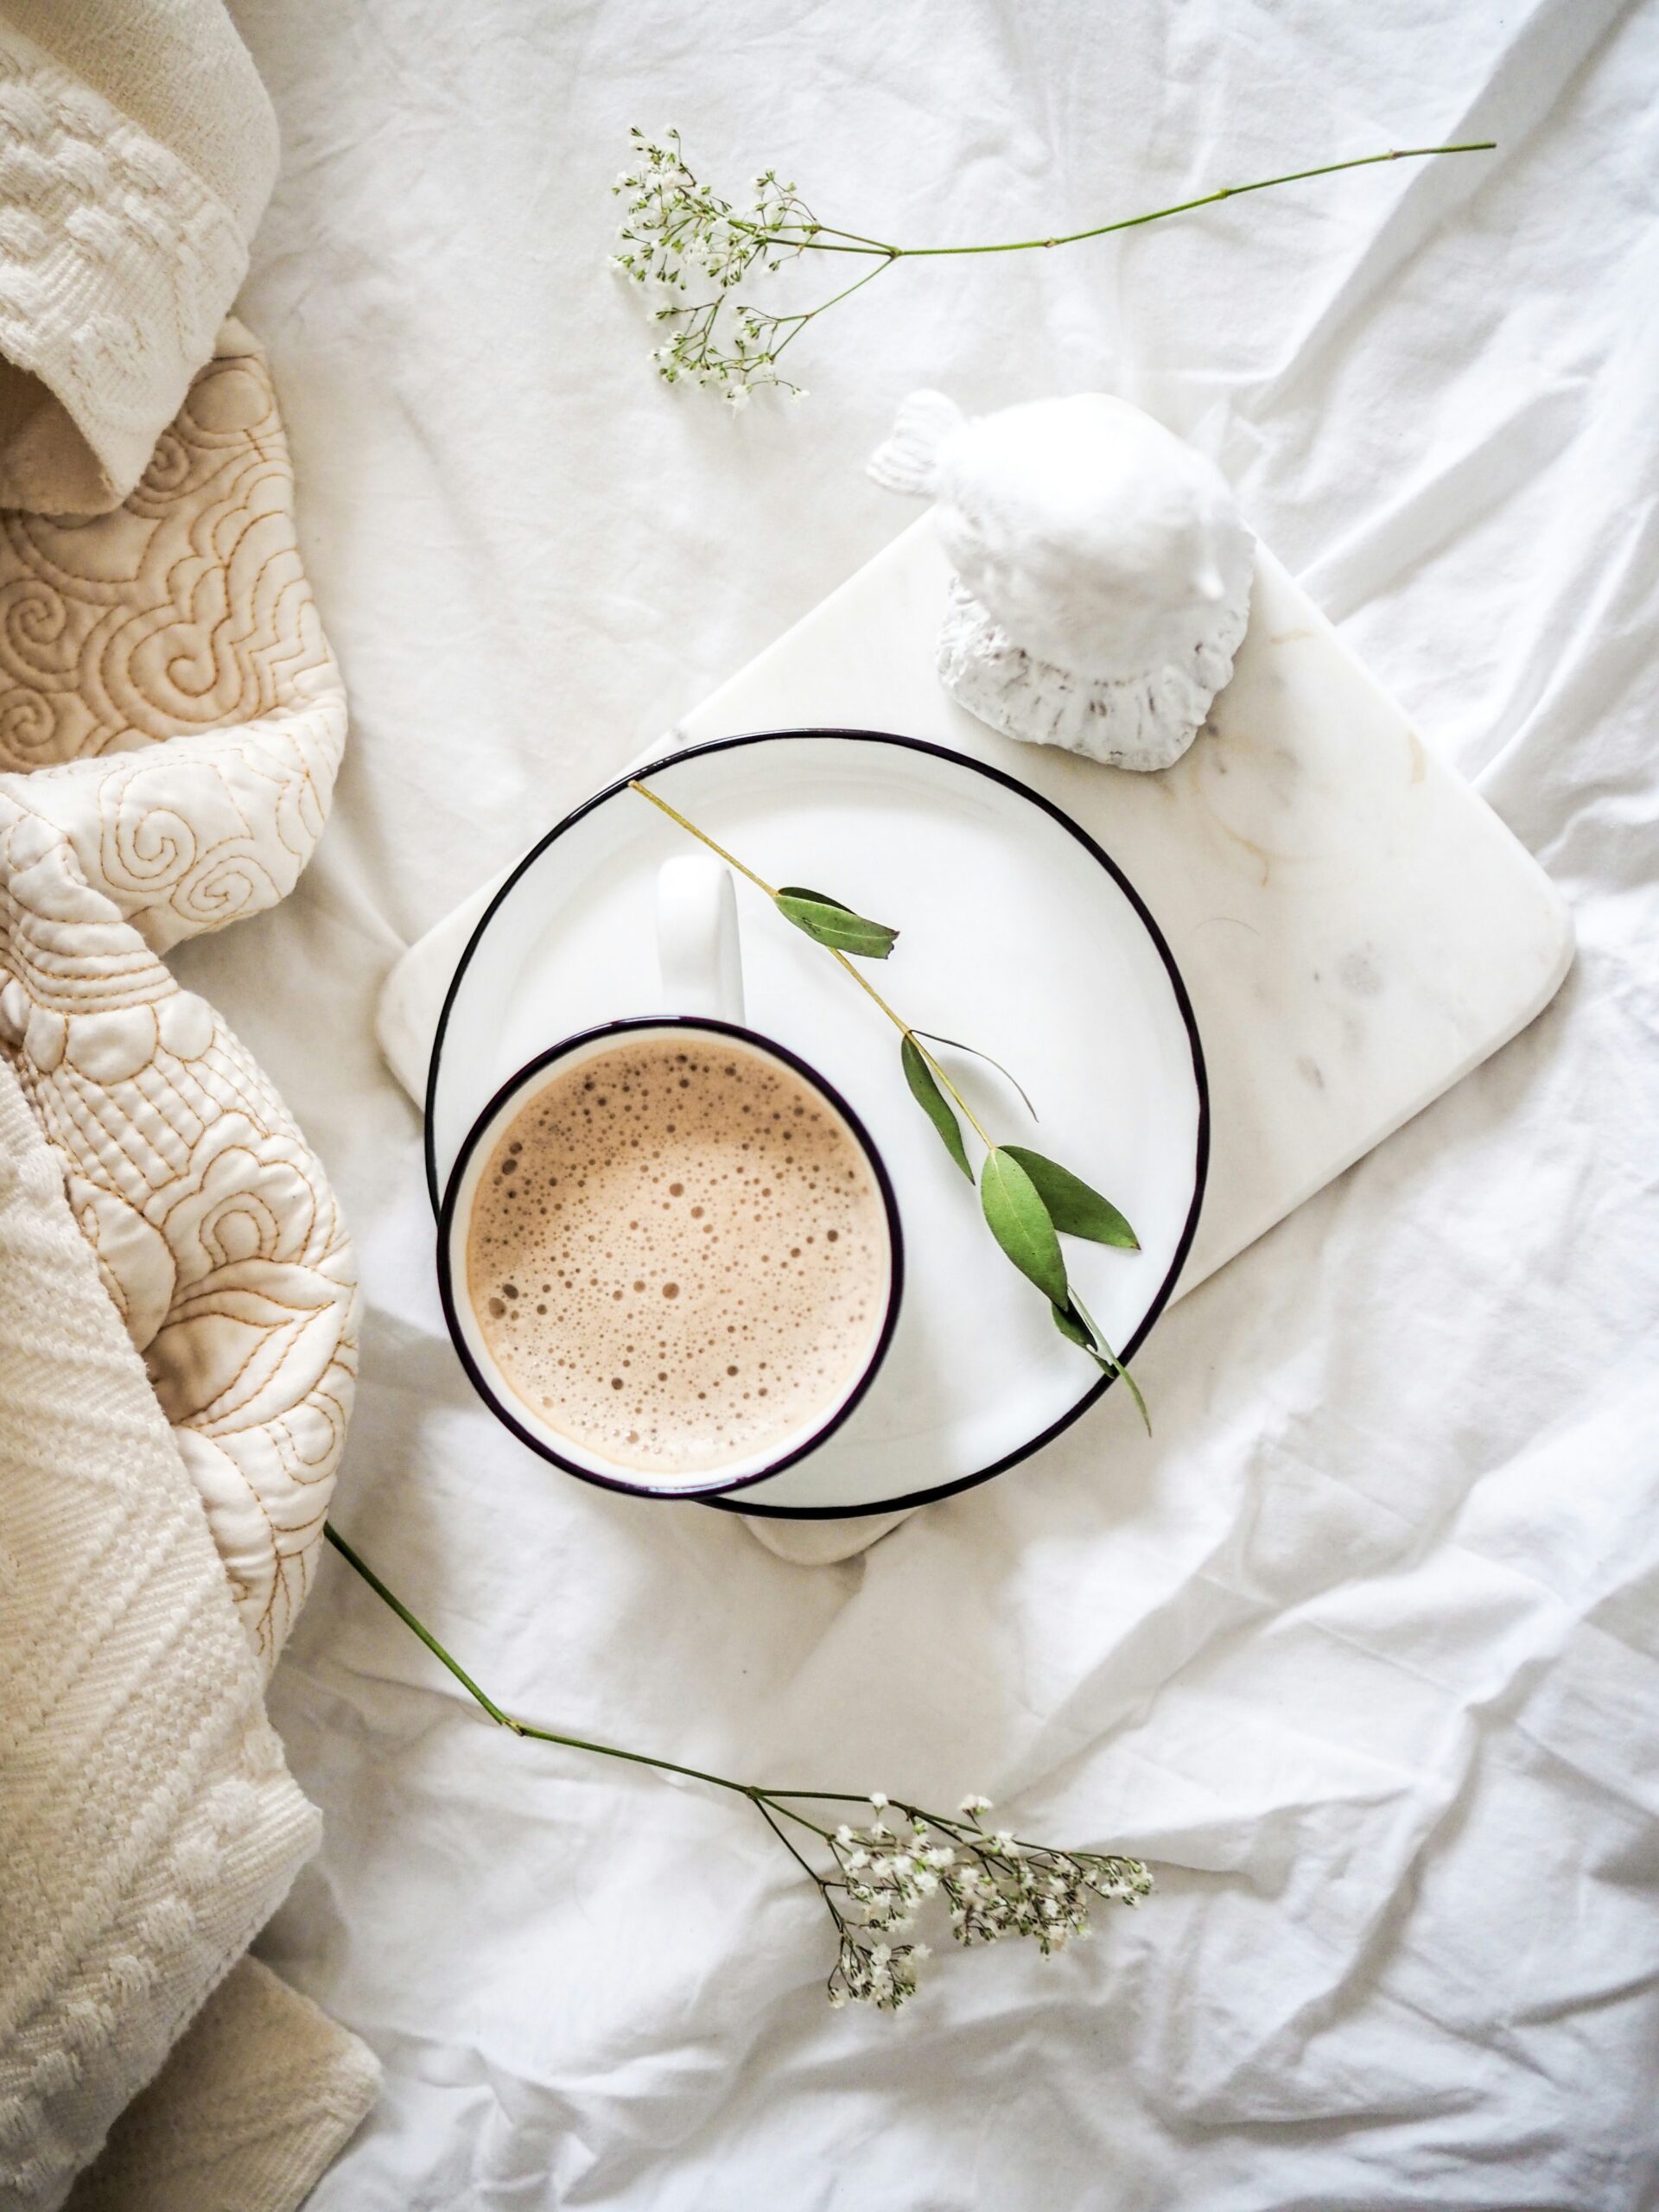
(1017, 935)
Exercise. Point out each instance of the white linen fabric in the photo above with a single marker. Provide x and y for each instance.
(1361, 1647)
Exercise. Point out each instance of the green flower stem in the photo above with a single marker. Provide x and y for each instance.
(389, 1598)
(1207, 199)
(879, 244)
(869, 989)
(506, 1719)
(1130, 222)
(678, 226)
(762, 1797)
(759, 1796)
(808, 239)
(811, 1872)
(813, 241)
(835, 300)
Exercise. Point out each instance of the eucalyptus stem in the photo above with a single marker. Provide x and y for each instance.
(864, 984)
(1111, 1359)
(905, 1030)
(701, 836)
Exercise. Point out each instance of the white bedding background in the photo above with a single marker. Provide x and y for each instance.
(1363, 1647)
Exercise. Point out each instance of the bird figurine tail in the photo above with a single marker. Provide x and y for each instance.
(907, 459)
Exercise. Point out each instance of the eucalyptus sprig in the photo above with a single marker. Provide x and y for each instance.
(875, 1877)
(676, 224)
(1028, 1201)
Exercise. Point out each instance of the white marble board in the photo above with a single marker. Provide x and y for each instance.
(1356, 927)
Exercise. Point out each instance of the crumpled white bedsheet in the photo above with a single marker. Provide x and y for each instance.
(1363, 1646)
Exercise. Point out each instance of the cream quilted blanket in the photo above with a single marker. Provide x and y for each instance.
(170, 723)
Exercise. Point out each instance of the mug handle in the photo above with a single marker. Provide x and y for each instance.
(698, 952)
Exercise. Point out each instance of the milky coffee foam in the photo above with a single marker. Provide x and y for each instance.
(678, 1255)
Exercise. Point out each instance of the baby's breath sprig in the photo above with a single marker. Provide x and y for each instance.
(881, 1874)
(676, 224)
(992, 1884)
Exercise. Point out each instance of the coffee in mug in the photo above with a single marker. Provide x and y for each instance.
(678, 1257)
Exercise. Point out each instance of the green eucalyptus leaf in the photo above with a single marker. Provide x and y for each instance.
(827, 922)
(817, 897)
(1071, 1328)
(1073, 1207)
(924, 1089)
(1019, 1222)
(1108, 1359)
(1078, 1326)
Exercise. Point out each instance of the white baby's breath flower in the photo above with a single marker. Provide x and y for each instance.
(677, 231)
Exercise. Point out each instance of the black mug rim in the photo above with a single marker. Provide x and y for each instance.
(519, 1080)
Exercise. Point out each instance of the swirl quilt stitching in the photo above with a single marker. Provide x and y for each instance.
(171, 721)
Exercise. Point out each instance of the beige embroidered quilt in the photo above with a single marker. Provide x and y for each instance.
(170, 724)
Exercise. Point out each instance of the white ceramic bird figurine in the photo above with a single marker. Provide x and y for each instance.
(1103, 581)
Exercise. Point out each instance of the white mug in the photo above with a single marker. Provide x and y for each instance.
(700, 960)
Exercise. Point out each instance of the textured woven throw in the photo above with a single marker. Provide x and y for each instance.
(137, 151)
(148, 1826)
